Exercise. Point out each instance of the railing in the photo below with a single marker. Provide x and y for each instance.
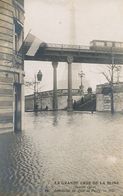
(67, 46)
(60, 92)
(63, 92)
(83, 47)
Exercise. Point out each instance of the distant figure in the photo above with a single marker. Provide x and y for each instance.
(36, 107)
(82, 100)
(46, 108)
(74, 104)
(92, 110)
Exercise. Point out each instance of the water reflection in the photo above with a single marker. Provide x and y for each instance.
(61, 146)
(55, 118)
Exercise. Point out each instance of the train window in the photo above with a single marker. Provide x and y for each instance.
(121, 45)
(92, 43)
(98, 43)
(109, 44)
(117, 45)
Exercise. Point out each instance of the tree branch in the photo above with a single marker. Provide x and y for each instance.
(107, 78)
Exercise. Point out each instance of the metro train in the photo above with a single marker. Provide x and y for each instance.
(95, 45)
(106, 45)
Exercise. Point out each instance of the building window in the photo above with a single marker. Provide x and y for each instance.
(21, 2)
(18, 35)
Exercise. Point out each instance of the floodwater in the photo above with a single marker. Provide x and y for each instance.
(63, 154)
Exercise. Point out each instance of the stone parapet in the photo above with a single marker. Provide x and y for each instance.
(46, 99)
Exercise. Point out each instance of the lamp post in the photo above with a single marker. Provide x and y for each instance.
(81, 75)
(37, 79)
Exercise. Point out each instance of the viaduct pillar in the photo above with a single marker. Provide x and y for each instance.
(55, 99)
(70, 100)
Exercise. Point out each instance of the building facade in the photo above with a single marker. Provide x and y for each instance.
(11, 64)
(103, 97)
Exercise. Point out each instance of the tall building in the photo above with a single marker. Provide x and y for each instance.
(11, 64)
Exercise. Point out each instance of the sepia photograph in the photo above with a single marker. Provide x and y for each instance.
(61, 98)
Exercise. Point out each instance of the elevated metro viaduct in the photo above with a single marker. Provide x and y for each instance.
(70, 54)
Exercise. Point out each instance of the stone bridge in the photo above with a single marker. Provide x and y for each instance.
(45, 98)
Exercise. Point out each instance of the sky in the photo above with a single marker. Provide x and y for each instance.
(72, 22)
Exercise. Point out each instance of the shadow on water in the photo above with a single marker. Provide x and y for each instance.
(55, 118)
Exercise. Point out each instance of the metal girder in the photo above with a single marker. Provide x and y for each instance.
(79, 56)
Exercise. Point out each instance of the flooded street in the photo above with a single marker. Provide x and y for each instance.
(64, 154)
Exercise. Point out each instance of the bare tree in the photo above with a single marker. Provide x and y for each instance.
(112, 75)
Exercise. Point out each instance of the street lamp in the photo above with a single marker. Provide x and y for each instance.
(81, 75)
(38, 79)
(39, 75)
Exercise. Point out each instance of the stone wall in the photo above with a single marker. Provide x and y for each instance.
(103, 100)
(46, 99)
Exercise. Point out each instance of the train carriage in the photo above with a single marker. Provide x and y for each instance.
(102, 45)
